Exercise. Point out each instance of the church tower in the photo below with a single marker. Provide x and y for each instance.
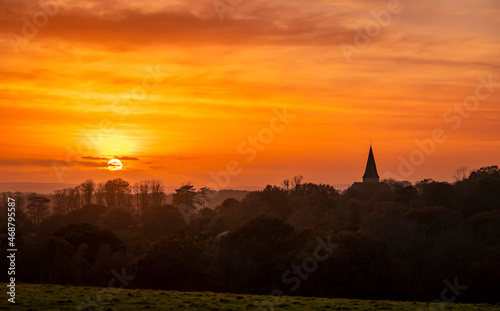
(371, 175)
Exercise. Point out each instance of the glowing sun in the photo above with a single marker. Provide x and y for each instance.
(114, 165)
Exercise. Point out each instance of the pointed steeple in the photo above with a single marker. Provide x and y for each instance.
(371, 175)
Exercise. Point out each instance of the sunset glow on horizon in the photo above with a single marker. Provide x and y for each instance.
(272, 90)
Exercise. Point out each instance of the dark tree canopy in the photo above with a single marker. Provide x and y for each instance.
(395, 240)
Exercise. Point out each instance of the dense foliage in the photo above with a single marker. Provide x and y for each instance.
(392, 240)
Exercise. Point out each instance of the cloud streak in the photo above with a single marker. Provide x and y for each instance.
(125, 158)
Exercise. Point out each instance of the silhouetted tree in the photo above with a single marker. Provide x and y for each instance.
(100, 194)
(297, 181)
(185, 197)
(461, 173)
(50, 260)
(177, 264)
(228, 205)
(157, 193)
(286, 185)
(88, 213)
(204, 196)
(435, 220)
(144, 194)
(355, 207)
(117, 192)
(37, 207)
(253, 257)
(487, 171)
(162, 221)
(118, 219)
(360, 266)
(407, 195)
(437, 194)
(87, 189)
(484, 195)
(91, 235)
(484, 279)
(61, 202)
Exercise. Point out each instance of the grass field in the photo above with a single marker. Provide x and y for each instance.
(55, 297)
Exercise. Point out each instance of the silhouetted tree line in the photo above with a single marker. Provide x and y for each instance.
(396, 240)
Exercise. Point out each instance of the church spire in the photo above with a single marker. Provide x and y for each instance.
(371, 174)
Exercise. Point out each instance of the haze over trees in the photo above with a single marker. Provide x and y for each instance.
(395, 240)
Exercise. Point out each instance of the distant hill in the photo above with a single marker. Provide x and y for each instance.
(43, 188)
(48, 188)
(217, 197)
(341, 186)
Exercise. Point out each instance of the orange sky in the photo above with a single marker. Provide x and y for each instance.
(183, 90)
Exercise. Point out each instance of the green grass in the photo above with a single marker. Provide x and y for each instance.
(55, 297)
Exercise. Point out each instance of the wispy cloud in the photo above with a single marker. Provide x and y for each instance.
(127, 158)
(11, 163)
(94, 158)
